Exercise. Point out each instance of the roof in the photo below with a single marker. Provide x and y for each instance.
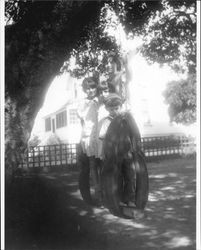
(57, 109)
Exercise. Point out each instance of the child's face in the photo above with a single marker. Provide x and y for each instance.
(114, 110)
(91, 91)
(104, 93)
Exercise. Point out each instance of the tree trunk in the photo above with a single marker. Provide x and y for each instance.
(35, 50)
(17, 131)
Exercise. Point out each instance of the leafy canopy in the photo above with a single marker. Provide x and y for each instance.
(181, 97)
(167, 30)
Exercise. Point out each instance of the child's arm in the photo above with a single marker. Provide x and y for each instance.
(104, 128)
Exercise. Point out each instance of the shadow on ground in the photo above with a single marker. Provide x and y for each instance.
(45, 211)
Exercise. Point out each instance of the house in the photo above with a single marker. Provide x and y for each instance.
(63, 123)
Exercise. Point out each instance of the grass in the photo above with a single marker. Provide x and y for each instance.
(45, 211)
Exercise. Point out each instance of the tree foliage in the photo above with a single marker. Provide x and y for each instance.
(170, 36)
(181, 98)
(34, 141)
(38, 36)
(167, 28)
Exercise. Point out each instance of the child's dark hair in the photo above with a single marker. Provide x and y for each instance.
(105, 85)
(89, 82)
(113, 100)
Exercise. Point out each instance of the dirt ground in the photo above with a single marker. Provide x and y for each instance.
(45, 212)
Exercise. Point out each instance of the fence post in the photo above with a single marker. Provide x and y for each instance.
(39, 156)
(65, 150)
(60, 150)
(28, 158)
(49, 155)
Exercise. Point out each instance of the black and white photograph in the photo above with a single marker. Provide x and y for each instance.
(100, 125)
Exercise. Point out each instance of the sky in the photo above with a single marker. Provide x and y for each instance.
(148, 82)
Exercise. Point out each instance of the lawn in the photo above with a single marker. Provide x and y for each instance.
(45, 211)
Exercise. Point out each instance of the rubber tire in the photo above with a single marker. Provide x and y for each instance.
(112, 186)
(85, 182)
(142, 181)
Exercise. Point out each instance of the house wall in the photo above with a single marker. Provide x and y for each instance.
(68, 134)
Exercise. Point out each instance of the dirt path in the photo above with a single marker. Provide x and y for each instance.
(46, 212)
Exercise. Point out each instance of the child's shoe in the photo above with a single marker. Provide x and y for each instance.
(131, 204)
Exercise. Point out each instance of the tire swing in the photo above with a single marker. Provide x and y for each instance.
(122, 138)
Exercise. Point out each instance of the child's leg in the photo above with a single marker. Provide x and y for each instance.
(95, 175)
(129, 180)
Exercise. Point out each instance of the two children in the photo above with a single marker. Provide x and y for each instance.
(94, 131)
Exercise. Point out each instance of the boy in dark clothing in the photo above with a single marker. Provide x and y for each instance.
(113, 104)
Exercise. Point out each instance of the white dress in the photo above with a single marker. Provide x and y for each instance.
(88, 114)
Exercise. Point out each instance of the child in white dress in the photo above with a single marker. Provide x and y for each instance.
(88, 114)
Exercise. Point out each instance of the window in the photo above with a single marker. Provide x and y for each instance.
(48, 124)
(73, 118)
(61, 119)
